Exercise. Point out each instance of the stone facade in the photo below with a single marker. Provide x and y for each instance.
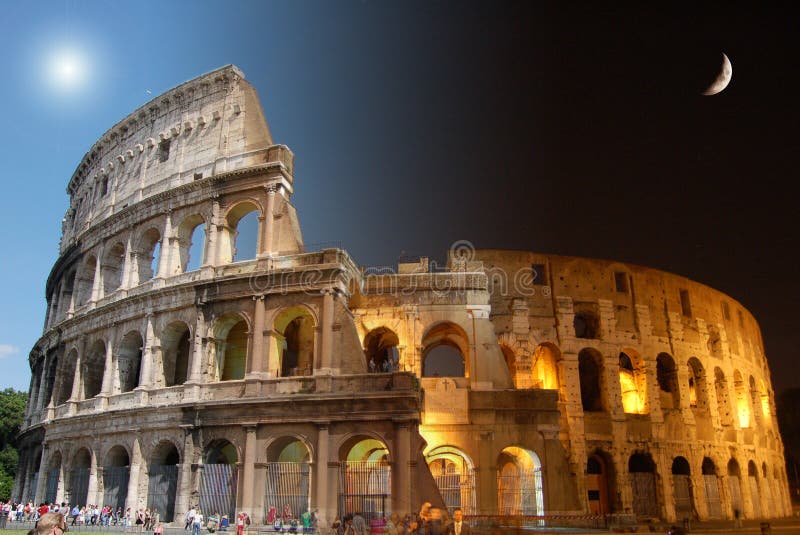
(508, 382)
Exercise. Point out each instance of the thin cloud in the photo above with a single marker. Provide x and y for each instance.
(8, 350)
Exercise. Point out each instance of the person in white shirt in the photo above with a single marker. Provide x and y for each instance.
(458, 527)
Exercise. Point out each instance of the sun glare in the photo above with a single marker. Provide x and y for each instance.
(67, 70)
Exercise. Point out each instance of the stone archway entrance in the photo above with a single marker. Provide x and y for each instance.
(642, 471)
(365, 479)
(218, 482)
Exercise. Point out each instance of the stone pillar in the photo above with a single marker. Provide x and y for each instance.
(212, 235)
(268, 223)
(127, 265)
(41, 483)
(165, 260)
(183, 498)
(133, 275)
(108, 373)
(146, 374)
(324, 502)
(326, 345)
(257, 353)
(77, 395)
(486, 475)
(91, 495)
(41, 403)
(196, 365)
(97, 283)
(248, 468)
(132, 499)
(401, 471)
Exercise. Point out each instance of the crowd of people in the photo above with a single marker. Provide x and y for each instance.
(429, 521)
(90, 515)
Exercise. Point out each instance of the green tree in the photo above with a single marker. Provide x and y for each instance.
(12, 412)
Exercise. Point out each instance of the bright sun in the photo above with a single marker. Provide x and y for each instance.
(67, 70)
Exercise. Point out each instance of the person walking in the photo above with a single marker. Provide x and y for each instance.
(189, 518)
(197, 523)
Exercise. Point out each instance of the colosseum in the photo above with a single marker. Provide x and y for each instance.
(184, 361)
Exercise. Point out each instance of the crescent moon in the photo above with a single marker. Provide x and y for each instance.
(723, 78)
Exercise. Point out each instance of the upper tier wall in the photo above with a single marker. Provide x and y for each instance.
(208, 125)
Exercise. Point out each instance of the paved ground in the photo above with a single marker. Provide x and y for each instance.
(780, 526)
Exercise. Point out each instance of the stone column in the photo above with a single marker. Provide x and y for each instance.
(196, 365)
(184, 492)
(132, 499)
(97, 283)
(41, 403)
(267, 226)
(272, 353)
(248, 467)
(165, 260)
(401, 471)
(41, 484)
(127, 265)
(76, 382)
(108, 373)
(91, 495)
(257, 353)
(146, 373)
(212, 235)
(321, 499)
(326, 345)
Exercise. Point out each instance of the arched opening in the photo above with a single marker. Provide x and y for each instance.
(380, 348)
(642, 472)
(519, 483)
(735, 488)
(85, 280)
(755, 495)
(163, 481)
(111, 267)
(288, 479)
(230, 338)
(294, 336)
(765, 407)
(698, 390)
(239, 238)
(66, 378)
(66, 302)
(682, 488)
(147, 255)
(711, 484)
(545, 366)
(667, 377)
(92, 369)
(129, 360)
(454, 474)
(445, 349)
(633, 383)
(511, 363)
(365, 483)
(32, 478)
(79, 477)
(191, 243)
(599, 483)
(116, 474)
(742, 400)
(175, 346)
(590, 370)
(723, 403)
(218, 479)
(53, 478)
(586, 325)
(50, 377)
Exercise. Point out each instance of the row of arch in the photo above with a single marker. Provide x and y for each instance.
(157, 250)
(721, 496)
(86, 374)
(365, 474)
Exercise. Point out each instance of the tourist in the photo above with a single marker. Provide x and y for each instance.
(51, 524)
(458, 527)
(189, 518)
(197, 523)
(359, 524)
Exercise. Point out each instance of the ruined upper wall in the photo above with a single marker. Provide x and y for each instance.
(202, 127)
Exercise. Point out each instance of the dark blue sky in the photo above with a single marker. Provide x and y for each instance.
(574, 130)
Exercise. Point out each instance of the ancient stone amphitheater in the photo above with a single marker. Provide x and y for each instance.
(187, 361)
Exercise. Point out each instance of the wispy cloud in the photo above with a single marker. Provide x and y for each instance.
(7, 350)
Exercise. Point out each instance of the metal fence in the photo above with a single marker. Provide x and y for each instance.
(457, 490)
(288, 483)
(365, 487)
(79, 486)
(161, 489)
(51, 488)
(115, 485)
(218, 489)
(520, 493)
